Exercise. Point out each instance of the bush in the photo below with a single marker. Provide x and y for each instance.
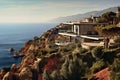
(79, 50)
(97, 66)
(97, 52)
(83, 50)
(117, 41)
(36, 38)
(79, 45)
(51, 65)
(73, 68)
(44, 52)
(110, 54)
(115, 70)
(55, 75)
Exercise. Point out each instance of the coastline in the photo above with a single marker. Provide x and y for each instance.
(18, 37)
(42, 57)
(26, 50)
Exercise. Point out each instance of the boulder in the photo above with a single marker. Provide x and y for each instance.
(8, 76)
(14, 68)
(26, 74)
(11, 49)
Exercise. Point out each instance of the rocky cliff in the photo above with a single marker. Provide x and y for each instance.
(34, 52)
(43, 60)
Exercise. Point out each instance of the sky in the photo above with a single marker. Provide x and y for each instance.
(35, 11)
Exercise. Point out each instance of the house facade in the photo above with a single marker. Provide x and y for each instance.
(83, 32)
(83, 28)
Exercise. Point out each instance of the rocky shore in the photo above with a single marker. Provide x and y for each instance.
(28, 69)
(43, 60)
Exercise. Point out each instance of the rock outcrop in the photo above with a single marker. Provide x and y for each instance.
(29, 67)
(26, 74)
(102, 75)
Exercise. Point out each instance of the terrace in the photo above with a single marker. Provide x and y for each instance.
(82, 32)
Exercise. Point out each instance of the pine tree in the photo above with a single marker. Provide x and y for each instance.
(54, 75)
(64, 70)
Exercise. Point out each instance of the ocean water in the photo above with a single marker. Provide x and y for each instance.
(15, 35)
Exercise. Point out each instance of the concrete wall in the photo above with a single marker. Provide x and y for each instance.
(86, 29)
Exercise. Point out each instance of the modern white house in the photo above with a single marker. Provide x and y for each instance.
(84, 33)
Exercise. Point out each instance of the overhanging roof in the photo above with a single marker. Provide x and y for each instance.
(78, 23)
(94, 37)
(68, 34)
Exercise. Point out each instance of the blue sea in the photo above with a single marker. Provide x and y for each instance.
(15, 35)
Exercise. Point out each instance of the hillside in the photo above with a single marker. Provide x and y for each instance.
(85, 15)
(44, 60)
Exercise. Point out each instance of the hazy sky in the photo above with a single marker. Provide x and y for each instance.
(24, 11)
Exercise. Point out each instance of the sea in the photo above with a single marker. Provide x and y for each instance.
(15, 35)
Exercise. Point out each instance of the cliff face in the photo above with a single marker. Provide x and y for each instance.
(38, 44)
(41, 55)
(30, 62)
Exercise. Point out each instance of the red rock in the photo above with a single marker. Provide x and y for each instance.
(40, 77)
(103, 74)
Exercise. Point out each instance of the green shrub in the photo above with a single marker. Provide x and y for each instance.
(83, 50)
(117, 41)
(36, 38)
(44, 52)
(55, 75)
(115, 70)
(97, 66)
(97, 52)
(46, 34)
(110, 54)
(79, 45)
(73, 68)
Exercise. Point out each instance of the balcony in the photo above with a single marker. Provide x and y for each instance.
(68, 33)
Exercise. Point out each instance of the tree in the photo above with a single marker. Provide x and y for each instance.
(97, 52)
(108, 32)
(36, 41)
(64, 70)
(76, 68)
(118, 16)
(73, 69)
(97, 66)
(54, 75)
(109, 17)
(115, 70)
(117, 41)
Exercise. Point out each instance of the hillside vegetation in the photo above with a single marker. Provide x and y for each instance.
(44, 60)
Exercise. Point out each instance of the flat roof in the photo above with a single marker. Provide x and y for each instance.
(78, 23)
(94, 37)
(68, 34)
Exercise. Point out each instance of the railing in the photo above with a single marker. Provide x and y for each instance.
(63, 43)
(58, 42)
(65, 31)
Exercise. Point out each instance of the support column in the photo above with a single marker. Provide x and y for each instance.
(78, 30)
(70, 39)
(72, 28)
